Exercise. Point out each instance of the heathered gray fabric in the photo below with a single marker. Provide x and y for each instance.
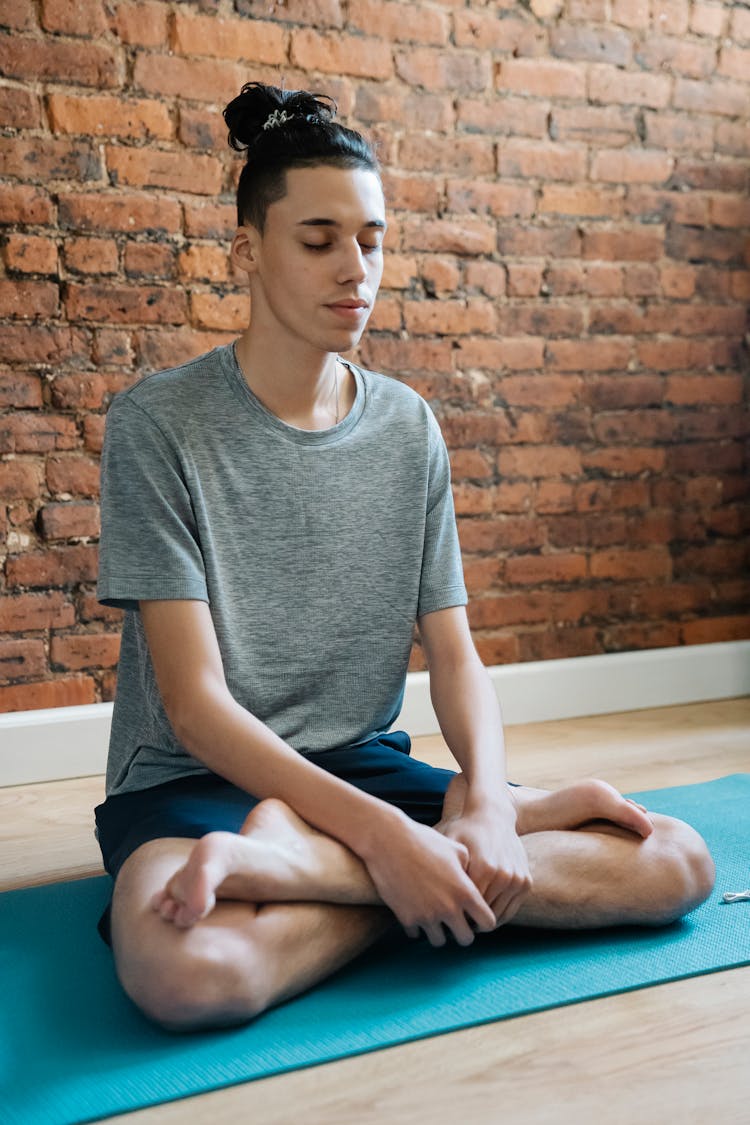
(316, 552)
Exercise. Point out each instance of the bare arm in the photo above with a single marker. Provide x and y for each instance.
(471, 723)
(419, 873)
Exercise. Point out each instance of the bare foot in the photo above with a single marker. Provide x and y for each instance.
(541, 810)
(276, 857)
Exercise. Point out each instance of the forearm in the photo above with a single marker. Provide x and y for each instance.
(238, 746)
(471, 722)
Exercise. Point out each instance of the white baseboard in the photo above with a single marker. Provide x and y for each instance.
(63, 742)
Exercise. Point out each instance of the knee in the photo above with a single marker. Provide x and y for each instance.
(208, 982)
(687, 873)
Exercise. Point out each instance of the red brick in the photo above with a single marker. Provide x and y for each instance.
(209, 220)
(628, 460)
(449, 69)
(22, 613)
(143, 23)
(202, 129)
(510, 609)
(20, 109)
(503, 354)
(60, 566)
(36, 433)
(69, 521)
(604, 280)
(579, 201)
(70, 692)
(56, 160)
(488, 277)
(386, 316)
(59, 60)
(711, 175)
(228, 311)
(255, 40)
(599, 354)
(679, 131)
(22, 204)
(504, 533)
(148, 259)
(449, 317)
(631, 13)
(126, 213)
(30, 253)
(524, 280)
(638, 243)
(411, 193)
(85, 18)
(712, 629)
(712, 560)
(208, 80)
(708, 19)
(507, 200)
(624, 565)
(91, 255)
(532, 570)
(506, 116)
(400, 22)
(528, 160)
(158, 348)
(483, 31)
(598, 125)
(539, 461)
(17, 14)
(19, 479)
(497, 648)
(542, 390)
(559, 644)
(589, 44)
(723, 97)
(17, 389)
(704, 390)
(76, 475)
(631, 166)
(700, 245)
(123, 304)
(678, 281)
(610, 84)
(28, 299)
(450, 154)
(457, 236)
(439, 274)
(541, 78)
(181, 171)
(740, 29)
(109, 117)
(664, 53)
(341, 54)
(75, 651)
(670, 15)
(642, 281)
(480, 574)
(21, 659)
(376, 104)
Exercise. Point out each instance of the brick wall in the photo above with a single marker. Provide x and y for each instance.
(566, 278)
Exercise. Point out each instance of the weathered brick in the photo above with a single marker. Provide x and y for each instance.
(610, 84)
(208, 80)
(341, 54)
(109, 117)
(667, 53)
(644, 243)
(375, 103)
(149, 259)
(539, 461)
(425, 318)
(84, 18)
(541, 389)
(76, 475)
(256, 40)
(506, 116)
(679, 131)
(449, 69)
(450, 154)
(533, 570)
(631, 166)
(69, 692)
(30, 253)
(524, 280)
(121, 212)
(75, 651)
(488, 277)
(17, 14)
(22, 432)
(693, 245)
(497, 648)
(142, 23)
(457, 236)
(55, 160)
(228, 311)
(440, 274)
(505, 200)
(723, 97)
(527, 160)
(319, 13)
(20, 659)
(631, 13)
(709, 630)
(20, 109)
(69, 521)
(591, 44)
(610, 125)
(59, 60)
(624, 565)
(542, 78)
(585, 202)
(180, 171)
(91, 255)
(708, 19)
(397, 22)
(27, 205)
(607, 353)
(19, 479)
(57, 566)
(502, 353)
(122, 304)
(21, 613)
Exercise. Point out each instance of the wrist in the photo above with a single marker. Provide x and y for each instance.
(381, 824)
(495, 800)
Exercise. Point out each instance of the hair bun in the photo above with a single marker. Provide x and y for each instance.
(249, 112)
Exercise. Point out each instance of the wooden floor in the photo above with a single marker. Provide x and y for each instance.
(673, 1053)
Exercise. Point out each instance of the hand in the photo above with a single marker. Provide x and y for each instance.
(421, 875)
(498, 863)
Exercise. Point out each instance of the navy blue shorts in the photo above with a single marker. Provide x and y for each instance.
(190, 807)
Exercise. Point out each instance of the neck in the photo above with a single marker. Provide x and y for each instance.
(305, 388)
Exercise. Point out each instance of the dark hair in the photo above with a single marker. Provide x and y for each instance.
(281, 129)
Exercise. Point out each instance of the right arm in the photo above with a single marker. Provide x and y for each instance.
(418, 873)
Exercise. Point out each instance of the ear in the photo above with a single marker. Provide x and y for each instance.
(245, 249)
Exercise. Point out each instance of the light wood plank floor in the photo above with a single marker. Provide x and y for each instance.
(674, 1053)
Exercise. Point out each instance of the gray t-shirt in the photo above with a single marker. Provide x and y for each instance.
(315, 550)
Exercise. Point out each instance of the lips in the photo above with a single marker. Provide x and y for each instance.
(349, 304)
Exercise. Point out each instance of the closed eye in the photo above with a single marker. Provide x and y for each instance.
(366, 247)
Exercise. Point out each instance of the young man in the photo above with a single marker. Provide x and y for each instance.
(275, 521)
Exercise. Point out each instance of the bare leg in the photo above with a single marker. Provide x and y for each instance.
(240, 957)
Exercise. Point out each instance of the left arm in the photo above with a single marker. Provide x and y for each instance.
(471, 723)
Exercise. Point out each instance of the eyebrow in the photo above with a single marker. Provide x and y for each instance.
(379, 224)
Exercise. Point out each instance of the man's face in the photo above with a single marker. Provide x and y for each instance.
(317, 266)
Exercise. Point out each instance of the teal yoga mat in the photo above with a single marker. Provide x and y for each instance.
(73, 1049)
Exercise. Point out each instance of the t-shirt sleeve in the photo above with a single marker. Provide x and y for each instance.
(442, 583)
(149, 546)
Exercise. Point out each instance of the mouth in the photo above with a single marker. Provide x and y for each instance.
(350, 311)
(351, 305)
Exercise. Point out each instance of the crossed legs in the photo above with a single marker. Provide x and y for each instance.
(213, 932)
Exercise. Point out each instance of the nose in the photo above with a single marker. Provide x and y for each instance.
(352, 265)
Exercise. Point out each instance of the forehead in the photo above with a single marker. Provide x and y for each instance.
(349, 196)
